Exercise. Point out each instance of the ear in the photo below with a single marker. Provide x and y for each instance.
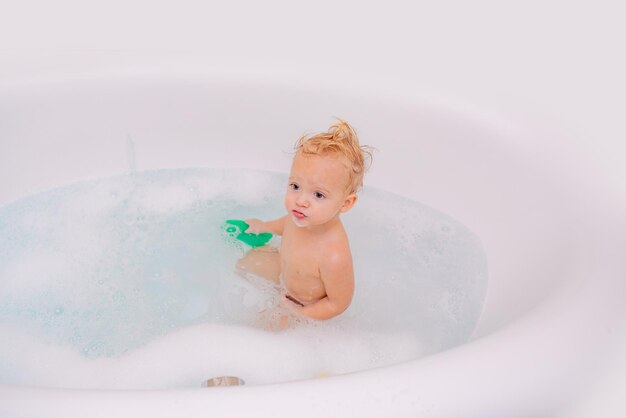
(349, 202)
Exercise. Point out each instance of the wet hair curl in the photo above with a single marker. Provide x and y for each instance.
(340, 141)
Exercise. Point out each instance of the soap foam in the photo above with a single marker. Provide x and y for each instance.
(129, 283)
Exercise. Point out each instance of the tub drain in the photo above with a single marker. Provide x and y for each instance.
(223, 381)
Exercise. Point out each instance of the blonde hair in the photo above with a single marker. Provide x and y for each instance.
(339, 141)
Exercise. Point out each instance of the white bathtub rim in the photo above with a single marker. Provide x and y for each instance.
(343, 83)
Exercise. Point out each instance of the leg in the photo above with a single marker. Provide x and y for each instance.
(262, 261)
(278, 318)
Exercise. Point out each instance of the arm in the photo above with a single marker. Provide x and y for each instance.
(257, 226)
(338, 279)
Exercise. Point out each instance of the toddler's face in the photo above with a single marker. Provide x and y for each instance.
(317, 190)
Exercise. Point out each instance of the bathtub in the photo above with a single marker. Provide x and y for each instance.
(555, 264)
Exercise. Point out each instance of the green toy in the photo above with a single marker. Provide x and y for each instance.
(237, 229)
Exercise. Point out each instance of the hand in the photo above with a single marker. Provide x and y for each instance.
(255, 226)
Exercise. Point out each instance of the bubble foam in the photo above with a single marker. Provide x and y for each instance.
(129, 283)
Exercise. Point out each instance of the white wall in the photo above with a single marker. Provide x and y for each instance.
(556, 61)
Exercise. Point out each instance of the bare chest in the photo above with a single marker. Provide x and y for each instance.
(300, 267)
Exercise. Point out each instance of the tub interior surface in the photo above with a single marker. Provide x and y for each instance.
(465, 163)
(450, 160)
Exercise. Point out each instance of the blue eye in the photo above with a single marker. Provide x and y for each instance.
(319, 195)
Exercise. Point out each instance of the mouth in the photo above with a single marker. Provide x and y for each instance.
(298, 214)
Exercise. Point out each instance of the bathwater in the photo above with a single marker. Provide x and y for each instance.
(129, 282)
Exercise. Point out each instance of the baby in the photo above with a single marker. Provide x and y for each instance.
(314, 263)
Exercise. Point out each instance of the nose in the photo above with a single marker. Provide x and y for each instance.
(301, 201)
